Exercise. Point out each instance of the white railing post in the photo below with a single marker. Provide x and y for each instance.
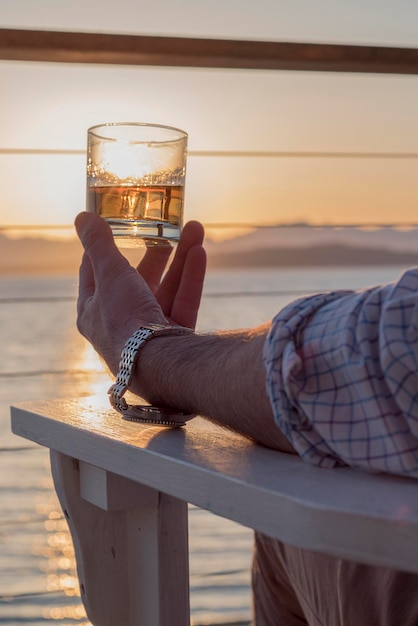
(131, 545)
(125, 502)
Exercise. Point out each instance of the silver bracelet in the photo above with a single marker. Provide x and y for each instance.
(146, 414)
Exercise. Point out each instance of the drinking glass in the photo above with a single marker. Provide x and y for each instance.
(135, 181)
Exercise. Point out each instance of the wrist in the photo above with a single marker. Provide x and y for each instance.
(119, 340)
(128, 367)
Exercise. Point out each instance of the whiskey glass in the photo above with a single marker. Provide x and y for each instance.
(136, 181)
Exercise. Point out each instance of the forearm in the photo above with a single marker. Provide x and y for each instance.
(220, 376)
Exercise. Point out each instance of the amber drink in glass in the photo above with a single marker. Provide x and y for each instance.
(135, 181)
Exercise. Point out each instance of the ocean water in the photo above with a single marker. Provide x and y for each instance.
(43, 356)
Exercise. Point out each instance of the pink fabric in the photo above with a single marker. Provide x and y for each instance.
(295, 587)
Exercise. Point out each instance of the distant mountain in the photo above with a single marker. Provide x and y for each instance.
(285, 246)
(300, 235)
(301, 245)
(44, 256)
(334, 255)
(39, 256)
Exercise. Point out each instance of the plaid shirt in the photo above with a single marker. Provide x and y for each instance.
(342, 376)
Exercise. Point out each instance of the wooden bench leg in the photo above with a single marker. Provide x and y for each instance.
(131, 546)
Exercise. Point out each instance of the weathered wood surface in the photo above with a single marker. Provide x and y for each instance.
(67, 47)
(342, 512)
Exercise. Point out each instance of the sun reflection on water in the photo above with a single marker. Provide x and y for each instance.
(66, 612)
(53, 546)
(56, 549)
(94, 378)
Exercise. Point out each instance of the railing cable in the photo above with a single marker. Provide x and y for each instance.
(262, 154)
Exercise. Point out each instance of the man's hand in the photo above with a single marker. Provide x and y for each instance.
(115, 298)
(219, 375)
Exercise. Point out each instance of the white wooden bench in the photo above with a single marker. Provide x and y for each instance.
(124, 489)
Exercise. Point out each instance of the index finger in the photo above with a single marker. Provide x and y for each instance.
(192, 235)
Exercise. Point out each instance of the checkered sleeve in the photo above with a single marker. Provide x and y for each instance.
(342, 376)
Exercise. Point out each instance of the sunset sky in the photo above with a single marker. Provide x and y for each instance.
(50, 106)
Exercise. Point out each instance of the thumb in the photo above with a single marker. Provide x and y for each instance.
(97, 240)
(88, 226)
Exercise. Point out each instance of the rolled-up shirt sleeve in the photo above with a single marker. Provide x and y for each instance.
(342, 376)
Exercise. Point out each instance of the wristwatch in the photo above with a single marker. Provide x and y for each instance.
(147, 414)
